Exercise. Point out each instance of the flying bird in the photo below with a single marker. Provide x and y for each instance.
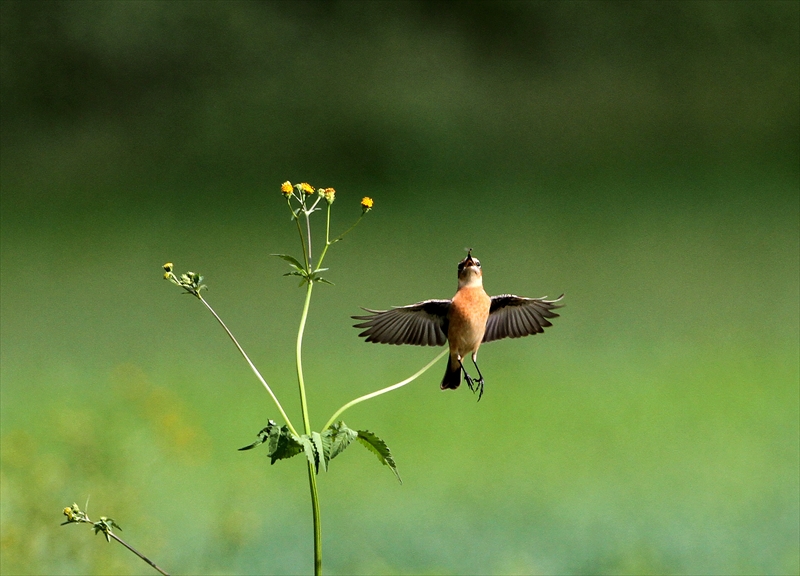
(466, 321)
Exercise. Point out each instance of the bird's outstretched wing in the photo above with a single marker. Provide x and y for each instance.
(514, 316)
(420, 324)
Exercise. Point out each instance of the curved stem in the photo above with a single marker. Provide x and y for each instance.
(299, 356)
(252, 366)
(384, 390)
(312, 477)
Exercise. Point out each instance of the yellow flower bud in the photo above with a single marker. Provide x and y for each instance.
(286, 188)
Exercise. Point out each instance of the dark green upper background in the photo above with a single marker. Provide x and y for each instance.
(149, 94)
(642, 157)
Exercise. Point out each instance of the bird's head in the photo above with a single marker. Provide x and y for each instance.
(469, 272)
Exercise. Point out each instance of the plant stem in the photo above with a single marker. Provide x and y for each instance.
(312, 478)
(327, 237)
(252, 366)
(335, 240)
(312, 482)
(300, 231)
(139, 554)
(384, 390)
(299, 355)
(308, 233)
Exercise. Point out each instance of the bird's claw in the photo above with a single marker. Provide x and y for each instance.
(474, 385)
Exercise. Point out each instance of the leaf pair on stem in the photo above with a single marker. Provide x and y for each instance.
(321, 448)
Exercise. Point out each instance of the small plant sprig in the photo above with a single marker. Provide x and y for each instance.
(105, 525)
(285, 441)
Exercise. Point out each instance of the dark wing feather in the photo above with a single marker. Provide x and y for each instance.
(514, 316)
(420, 324)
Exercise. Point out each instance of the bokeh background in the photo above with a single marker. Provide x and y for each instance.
(642, 157)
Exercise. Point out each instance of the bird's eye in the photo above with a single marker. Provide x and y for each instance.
(477, 262)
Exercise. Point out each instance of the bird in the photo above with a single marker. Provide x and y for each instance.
(466, 321)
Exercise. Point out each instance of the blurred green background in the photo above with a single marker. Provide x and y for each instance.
(642, 157)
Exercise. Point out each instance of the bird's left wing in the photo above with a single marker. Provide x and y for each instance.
(514, 316)
(420, 324)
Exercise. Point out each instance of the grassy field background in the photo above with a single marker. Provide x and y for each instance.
(642, 158)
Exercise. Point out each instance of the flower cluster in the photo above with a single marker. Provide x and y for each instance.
(190, 281)
(304, 189)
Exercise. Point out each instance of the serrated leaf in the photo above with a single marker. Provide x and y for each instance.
(316, 438)
(378, 447)
(251, 446)
(273, 438)
(311, 454)
(281, 443)
(336, 438)
(286, 445)
(263, 436)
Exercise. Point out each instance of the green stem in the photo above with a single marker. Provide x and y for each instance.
(252, 366)
(302, 240)
(139, 554)
(327, 238)
(312, 478)
(299, 355)
(335, 240)
(384, 390)
(308, 233)
(312, 482)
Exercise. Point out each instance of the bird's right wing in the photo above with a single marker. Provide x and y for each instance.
(514, 316)
(420, 324)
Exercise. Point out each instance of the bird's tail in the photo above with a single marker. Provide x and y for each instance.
(452, 376)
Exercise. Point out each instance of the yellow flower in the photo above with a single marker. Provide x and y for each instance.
(286, 188)
(307, 188)
(68, 513)
(366, 204)
(168, 266)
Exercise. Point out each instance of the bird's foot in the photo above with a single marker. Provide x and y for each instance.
(475, 385)
(470, 382)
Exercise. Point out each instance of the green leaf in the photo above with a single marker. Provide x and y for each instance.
(311, 454)
(336, 438)
(286, 445)
(290, 259)
(281, 443)
(263, 436)
(316, 438)
(380, 449)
